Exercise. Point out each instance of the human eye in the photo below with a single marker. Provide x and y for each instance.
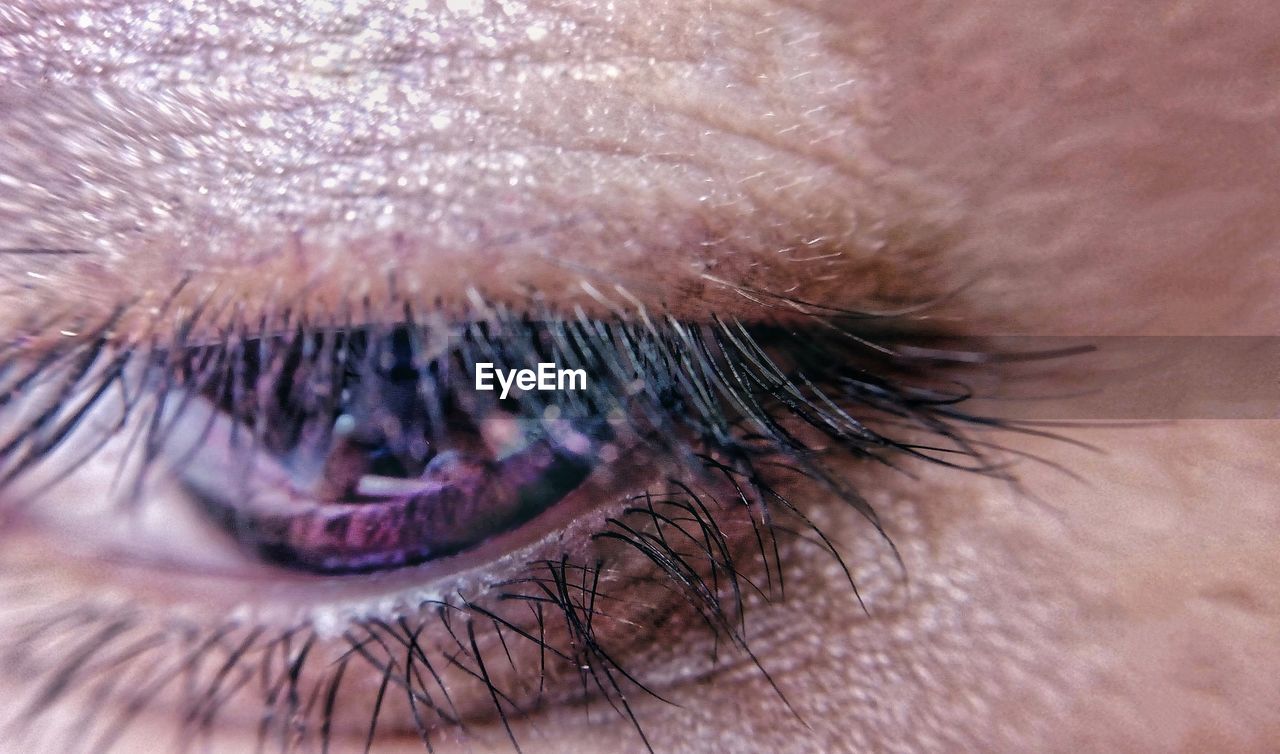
(358, 543)
(253, 256)
(252, 490)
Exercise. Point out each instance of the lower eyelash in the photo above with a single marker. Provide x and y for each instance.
(750, 400)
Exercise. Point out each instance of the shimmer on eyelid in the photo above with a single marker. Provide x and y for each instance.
(658, 146)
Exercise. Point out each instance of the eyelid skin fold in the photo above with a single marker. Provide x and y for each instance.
(76, 289)
(703, 170)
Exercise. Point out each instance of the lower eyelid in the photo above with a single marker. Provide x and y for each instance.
(615, 618)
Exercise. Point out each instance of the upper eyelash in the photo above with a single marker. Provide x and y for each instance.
(723, 374)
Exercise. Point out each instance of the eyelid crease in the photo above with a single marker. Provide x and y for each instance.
(337, 288)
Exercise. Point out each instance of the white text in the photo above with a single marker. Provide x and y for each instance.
(546, 377)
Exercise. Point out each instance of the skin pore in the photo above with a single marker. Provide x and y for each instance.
(1070, 167)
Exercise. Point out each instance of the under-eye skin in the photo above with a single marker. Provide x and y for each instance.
(517, 543)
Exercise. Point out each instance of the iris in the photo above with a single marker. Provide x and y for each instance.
(356, 450)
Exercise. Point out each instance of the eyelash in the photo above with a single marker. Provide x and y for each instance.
(754, 402)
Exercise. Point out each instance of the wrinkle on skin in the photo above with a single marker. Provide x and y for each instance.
(653, 146)
(1102, 170)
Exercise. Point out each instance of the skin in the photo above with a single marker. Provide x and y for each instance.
(1071, 167)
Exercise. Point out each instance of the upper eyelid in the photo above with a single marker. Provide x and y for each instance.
(69, 299)
(703, 194)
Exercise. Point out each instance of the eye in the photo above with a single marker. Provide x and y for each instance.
(370, 517)
(371, 448)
